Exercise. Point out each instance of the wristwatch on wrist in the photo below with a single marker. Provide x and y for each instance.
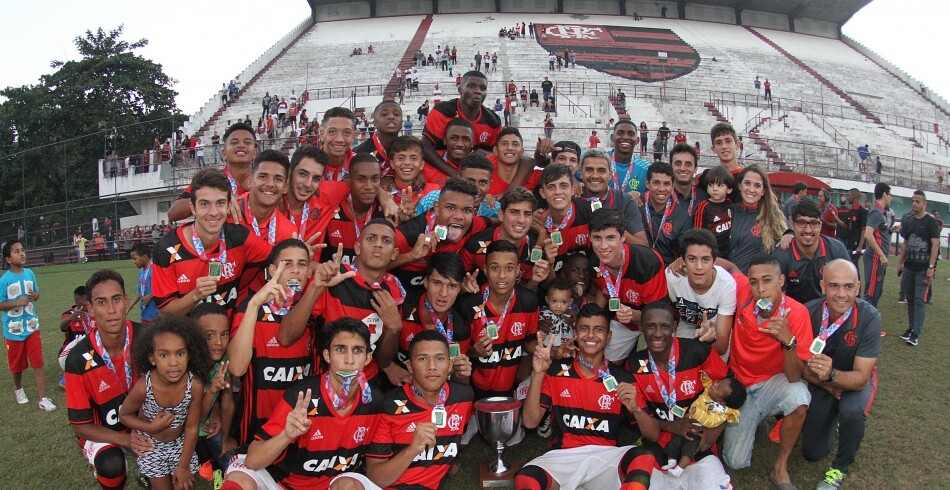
(791, 344)
(831, 376)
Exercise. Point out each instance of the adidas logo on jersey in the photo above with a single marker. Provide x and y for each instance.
(273, 342)
(716, 219)
(316, 435)
(103, 386)
(183, 279)
(565, 393)
(336, 234)
(650, 389)
(411, 428)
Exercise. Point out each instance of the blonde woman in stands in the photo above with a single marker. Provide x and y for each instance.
(757, 222)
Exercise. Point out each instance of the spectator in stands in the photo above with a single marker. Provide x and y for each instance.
(548, 125)
(663, 15)
(663, 134)
(593, 141)
(507, 110)
(622, 99)
(265, 102)
(551, 60)
(423, 112)
(292, 117)
(407, 127)
(546, 87)
(494, 62)
(768, 90)
(478, 61)
(644, 137)
(199, 152)
(758, 85)
(798, 193)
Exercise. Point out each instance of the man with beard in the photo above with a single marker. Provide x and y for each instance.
(806, 258)
(683, 158)
(596, 174)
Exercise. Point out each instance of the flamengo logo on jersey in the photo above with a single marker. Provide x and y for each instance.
(103, 386)
(336, 463)
(517, 329)
(688, 387)
(506, 354)
(183, 279)
(605, 401)
(586, 423)
(359, 434)
(316, 435)
(282, 374)
(455, 422)
(438, 452)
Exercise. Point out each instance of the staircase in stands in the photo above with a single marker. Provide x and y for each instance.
(824, 81)
(407, 58)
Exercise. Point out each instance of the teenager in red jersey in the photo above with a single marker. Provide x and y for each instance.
(407, 184)
(269, 368)
(99, 376)
(387, 118)
(240, 149)
(588, 406)
(204, 260)
(321, 427)
(310, 200)
(359, 208)
(361, 290)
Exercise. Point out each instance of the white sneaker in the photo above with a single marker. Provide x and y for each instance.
(21, 397)
(46, 405)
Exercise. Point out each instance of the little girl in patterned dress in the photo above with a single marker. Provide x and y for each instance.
(165, 403)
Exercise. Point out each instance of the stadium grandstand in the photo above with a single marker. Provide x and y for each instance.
(688, 64)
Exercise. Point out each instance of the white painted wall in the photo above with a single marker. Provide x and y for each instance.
(528, 5)
(766, 20)
(648, 8)
(816, 27)
(386, 8)
(592, 7)
(343, 11)
(458, 6)
(710, 13)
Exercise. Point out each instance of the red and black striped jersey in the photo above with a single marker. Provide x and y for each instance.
(487, 125)
(319, 207)
(342, 172)
(575, 236)
(476, 247)
(94, 392)
(177, 266)
(352, 298)
(584, 412)
(272, 369)
(344, 229)
(499, 186)
(408, 232)
(413, 311)
(333, 444)
(642, 280)
(692, 356)
(402, 410)
(495, 375)
(77, 328)
(374, 147)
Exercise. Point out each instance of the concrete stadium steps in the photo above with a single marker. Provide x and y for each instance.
(414, 45)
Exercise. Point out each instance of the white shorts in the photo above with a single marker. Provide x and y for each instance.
(261, 477)
(91, 449)
(622, 342)
(596, 468)
(363, 479)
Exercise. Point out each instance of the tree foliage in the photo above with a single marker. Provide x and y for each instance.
(60, 127)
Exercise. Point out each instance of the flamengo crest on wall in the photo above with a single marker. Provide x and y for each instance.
(627, 52)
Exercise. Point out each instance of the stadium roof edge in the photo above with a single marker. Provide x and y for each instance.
(836, 11)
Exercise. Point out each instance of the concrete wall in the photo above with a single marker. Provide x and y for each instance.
(530, 6)
(765, 20)
(647, 8)
(343, 11)
(387, 8)
(710, 13)
(462, 6)
(817, 27)
(592, 7)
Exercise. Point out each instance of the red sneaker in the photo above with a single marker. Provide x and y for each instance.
(206, 471)
(776, 434)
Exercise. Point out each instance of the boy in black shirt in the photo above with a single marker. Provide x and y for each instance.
(715, 213)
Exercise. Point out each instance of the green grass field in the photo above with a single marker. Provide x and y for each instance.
(901, 448)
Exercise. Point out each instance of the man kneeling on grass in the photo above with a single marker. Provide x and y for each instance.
(589, 401)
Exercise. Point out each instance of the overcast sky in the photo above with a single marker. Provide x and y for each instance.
(202, 44)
